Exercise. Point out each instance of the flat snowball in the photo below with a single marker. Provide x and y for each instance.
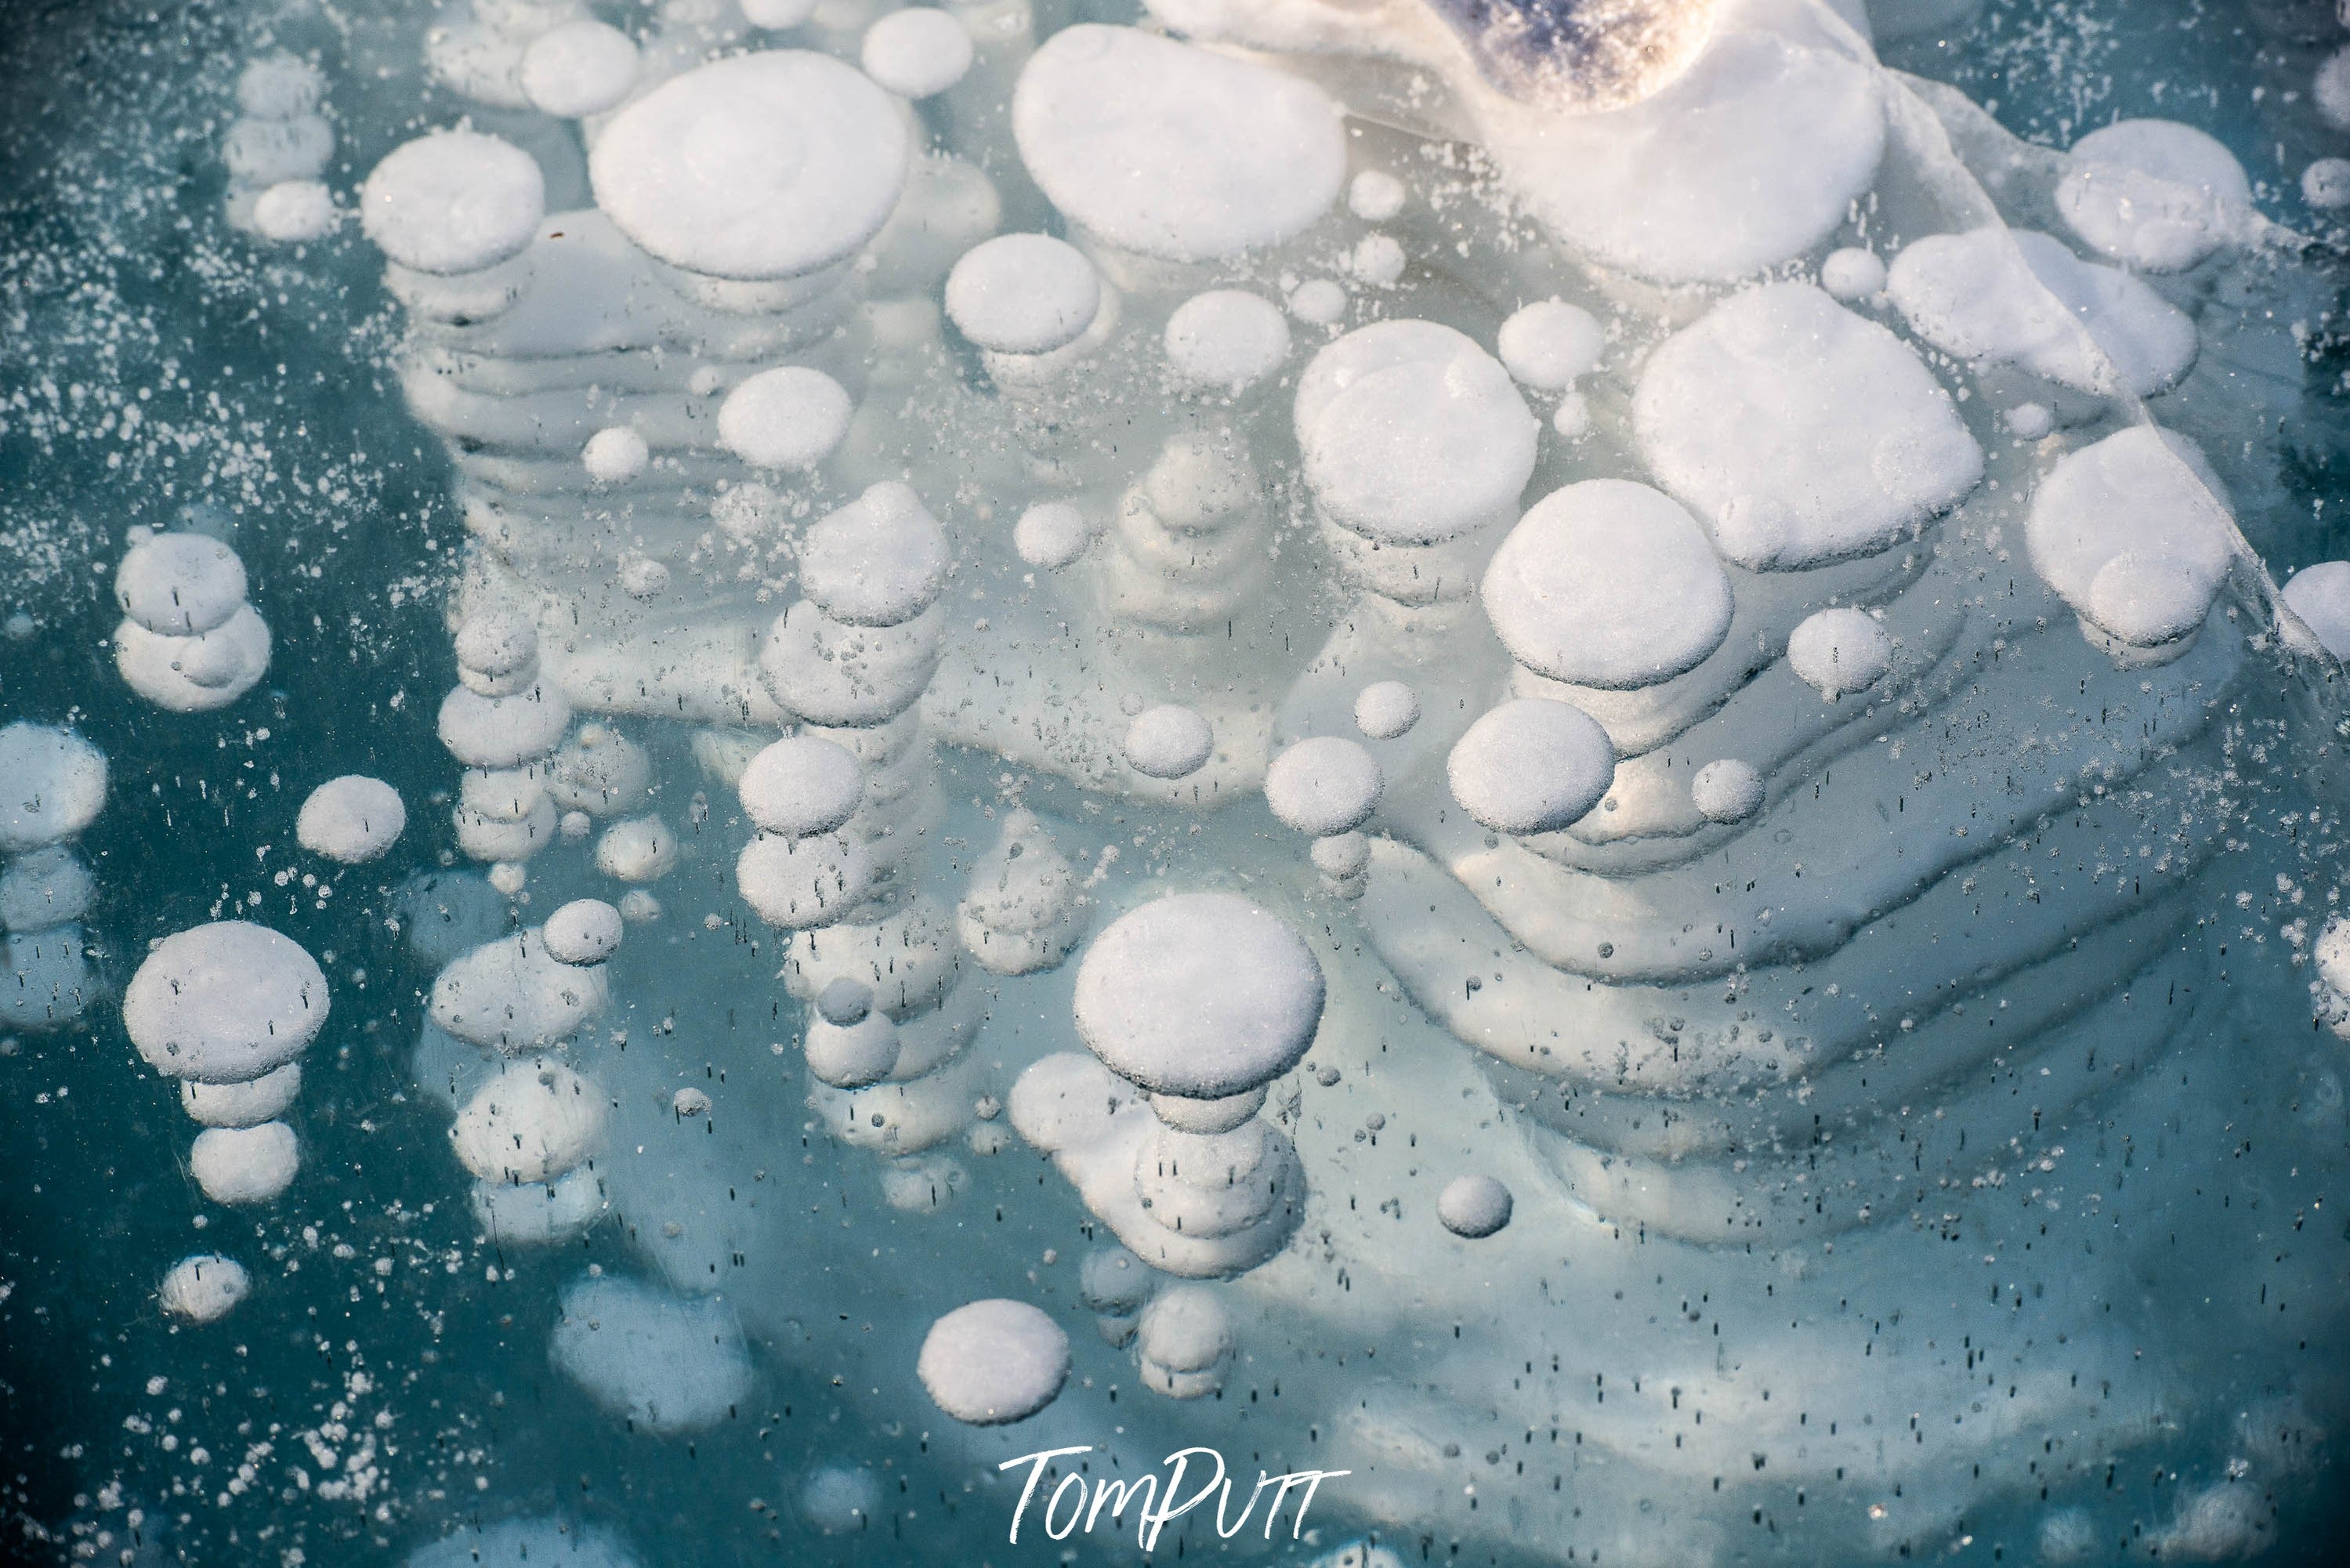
(615, 455)
(293, 211)
(2320, 596)
(1023, 293)
(1853, 273)
(1386, 708)
(1474, 1206)
(245, 1165)
(1169, 741)
(2153, 194)
(2002, 296)
(582, 931)
(241, 1105)
(180, 584)
(1173, 150)
(204, 1288)
(1781, 394)
(225, 1003)
(453, 201)
(1324, 785)
(1412, 433)
(802, 784)
(755, 166)
(1226, 339)
(530, 1121)
(668, 1363)
(578, 68)
(1051, 534)
(993, 1362)
(790, 417)
(918, 51)
(1531, 766)
(1840, 650)
(2143, 491)
(1727, 790)
(1609, 584)
(1550, 345)
(879, 561)
(52, 784)
(352, 819)
(1200, 995)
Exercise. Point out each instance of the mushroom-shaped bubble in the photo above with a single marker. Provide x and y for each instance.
(1023, 293)
(1226, 340)
(44, 887)
(2153, 194)
(851, 1053)
(791, 417)
(530, 1121)
(993, 1362)
(1474, 1206)
(180, 584)
(2147, 601)
(879, 561)
(52, 784)
(2320, 596)
(1852, 275)
(638, 849)
(1412, 433)
(1199, 995)
(669, 1364)
(353, 819)
(1840, 650)
(917, 52)
(225, 1003)
(1169, 741)
(580, 69)
(1608, 584)
(615, 455)
(453, 201)
(800, 884)
(1051, 534)
(1386, 710)
(245, 1165)
(195, 674)
(582, 931)
(1550, 345)
(204, 1288)
(1324, 785)
(241, 1105)
(501, 731)
(1531, 766)
(1341, 855)
(1173, 150)
(1726, 790)
(755, 166)
(802, 784)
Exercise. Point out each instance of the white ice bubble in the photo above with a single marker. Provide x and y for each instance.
(880, 560)
(503, 731)
(615, 455)
(2325, 183)
(55, 785)
(245, 1165)
(2320, 596)
(1187, 1328)
(1226, 339)
(2147, 600)
(530, 1121)
(1531, 766)
(788, 418)
(204, 1288)
(1113, 1279)
(1051, 534)
(1474, 1206)
(1550, 345)
(294, 211)
(637, 849)
(241, 1105)
(1726, 790)
(777, 14)
(2143, 491)
(669, 1364)
(851, 1053)
(225, 1003)
(600, 771)
(1375, 196)
(802, 883)
(1023, 293)
(1323, 785)
(1853, 275)
(353, 819)
(918, 51)
(1608, 584)
(1202, 995)
(453, 201)
(802, 784)
(279, 86)
(1839, 651)
(1377, 261)
(180, 584)
(44, 887)
(994, 1361)
(195, 674)
(1386, 710)
(2030, 420)
(1174, 151)
(580, 69)
(529, 1542)
(1169, 741)
(512, 995)
(2153, 194)
(1318, 302)
(582, 931)
(839, 1499)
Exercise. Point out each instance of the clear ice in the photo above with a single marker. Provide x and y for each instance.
(779, 777)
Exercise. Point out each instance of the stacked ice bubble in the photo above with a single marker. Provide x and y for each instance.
(277, 147)
(188, 641)
(52, 786)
